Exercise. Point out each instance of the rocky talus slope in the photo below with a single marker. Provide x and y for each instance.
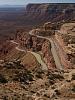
(19, 83)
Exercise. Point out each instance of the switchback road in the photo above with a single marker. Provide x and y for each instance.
(53, 50)
(37, 56)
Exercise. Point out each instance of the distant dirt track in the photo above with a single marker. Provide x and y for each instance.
(37, 56)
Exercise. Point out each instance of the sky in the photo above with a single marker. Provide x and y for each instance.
(23, 2)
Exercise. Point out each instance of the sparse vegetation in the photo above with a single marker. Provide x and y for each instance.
(57, 92)
(39, 73)
(25, 77)
(73, 88)
(73, 76)
(53, 76)
(3, 79)
(13, 65)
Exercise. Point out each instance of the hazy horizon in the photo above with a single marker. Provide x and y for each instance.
(24, 2)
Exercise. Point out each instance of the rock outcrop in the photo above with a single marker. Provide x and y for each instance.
(47, 55)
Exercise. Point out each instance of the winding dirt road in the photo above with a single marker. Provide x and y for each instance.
(53, 50)
(37, 56)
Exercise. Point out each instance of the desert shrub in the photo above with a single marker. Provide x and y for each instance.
(72, 40)
(73, 88)
(2, 79)
(24, 76)
(5, 97)
(73, 76)
(39, 73)
(46, 95)
(57, 92)
(73, 60)
(51, 82)
(18, 64)
(8, 66)
(58, 76)
(53, 76)
(66, 38)
(13, 65)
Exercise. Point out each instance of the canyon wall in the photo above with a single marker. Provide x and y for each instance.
(49, 12)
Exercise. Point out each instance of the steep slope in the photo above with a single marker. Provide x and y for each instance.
(49, 12)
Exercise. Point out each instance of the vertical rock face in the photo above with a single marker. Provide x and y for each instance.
(50, 12)
(36, 8)
(47, 55)
(29, 42)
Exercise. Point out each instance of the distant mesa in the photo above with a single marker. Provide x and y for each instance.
(50, 12)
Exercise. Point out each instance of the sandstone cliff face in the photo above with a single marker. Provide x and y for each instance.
(36, 44)
(49, 12)
(47, 55)
(29, 42)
